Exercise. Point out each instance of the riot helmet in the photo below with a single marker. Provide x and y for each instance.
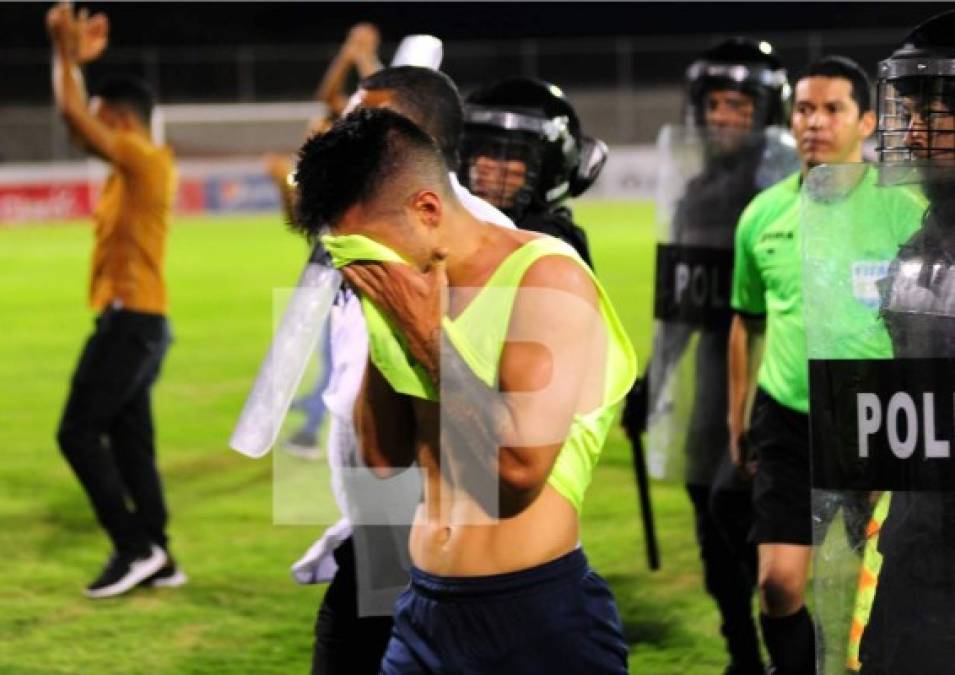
(739, 65)
(522, 147)
(916, 95)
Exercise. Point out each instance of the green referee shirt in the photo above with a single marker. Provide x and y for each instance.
(768, 272)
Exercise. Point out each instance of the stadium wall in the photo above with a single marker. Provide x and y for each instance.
(40, 192)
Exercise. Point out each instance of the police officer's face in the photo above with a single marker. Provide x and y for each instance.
(727, 109)
(931, 130)
(497, 180)
(827, 123)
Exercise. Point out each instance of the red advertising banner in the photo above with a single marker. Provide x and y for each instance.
(39, 202)
(63, 201)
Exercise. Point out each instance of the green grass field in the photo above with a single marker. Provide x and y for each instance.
(241, 612)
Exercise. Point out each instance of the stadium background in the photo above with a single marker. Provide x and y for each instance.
(235, 81)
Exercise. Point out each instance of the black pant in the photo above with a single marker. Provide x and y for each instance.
(106, 432)
(723, 515)
(345, 643)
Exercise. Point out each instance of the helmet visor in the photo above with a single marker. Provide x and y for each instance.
(917, 119)
(500, 167)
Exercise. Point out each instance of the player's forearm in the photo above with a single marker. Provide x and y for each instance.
(739, 373)
(68, 87)
(367, 64)
(331, 89)
(484, 434)
(384, 424)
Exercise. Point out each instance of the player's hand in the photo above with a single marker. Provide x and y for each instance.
(413, 300)
(741, 454)
(91, 36)
(59, 25)
(363, 40)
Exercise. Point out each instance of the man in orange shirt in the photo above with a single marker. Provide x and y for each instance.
(106, 432)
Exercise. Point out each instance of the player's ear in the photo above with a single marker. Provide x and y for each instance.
(867, 123)
(428, 207)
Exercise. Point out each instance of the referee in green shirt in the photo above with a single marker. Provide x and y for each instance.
(832, 116)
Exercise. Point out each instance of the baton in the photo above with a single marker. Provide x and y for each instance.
(646, 508)
(285, 362)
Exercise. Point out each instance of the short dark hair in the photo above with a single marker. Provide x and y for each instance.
(354, 160)
(847, 69)
(430, 98)
(130, 93)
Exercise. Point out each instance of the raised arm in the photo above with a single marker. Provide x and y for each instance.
(360, 50)
(77, 40)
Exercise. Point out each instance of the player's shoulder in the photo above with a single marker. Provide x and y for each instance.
(130, 144)
(559, 267)
(770, 203)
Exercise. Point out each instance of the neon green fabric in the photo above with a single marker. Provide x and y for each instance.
(848, 246)
(387, 347)
(768, 273)
(479, 333)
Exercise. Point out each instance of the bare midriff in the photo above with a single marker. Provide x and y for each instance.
(454, 535)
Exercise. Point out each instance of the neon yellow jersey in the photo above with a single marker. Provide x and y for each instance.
(487, 316)
(768, 273)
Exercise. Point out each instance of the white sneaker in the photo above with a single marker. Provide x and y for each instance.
(123, 572)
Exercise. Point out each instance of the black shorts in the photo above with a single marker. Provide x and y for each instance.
(782, 494)
(558, 618)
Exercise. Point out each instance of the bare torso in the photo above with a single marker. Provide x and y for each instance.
(452, 535)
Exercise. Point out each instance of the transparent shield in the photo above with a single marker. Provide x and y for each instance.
(880, 329)
(304, 312)
(705, 181)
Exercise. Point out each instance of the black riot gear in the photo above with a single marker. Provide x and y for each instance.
(745, 65)
(533, 135)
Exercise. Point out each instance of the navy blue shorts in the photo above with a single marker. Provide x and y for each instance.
(559, 617)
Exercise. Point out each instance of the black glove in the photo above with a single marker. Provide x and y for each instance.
(634, 418)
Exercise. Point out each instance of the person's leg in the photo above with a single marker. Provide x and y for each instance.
(346, 644)
(782, 528)
(132, 437)
(725, 579)
(409, 651)
(731, 505)
(99, 388)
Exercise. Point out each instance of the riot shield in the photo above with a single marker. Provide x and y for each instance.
(282, 369)
(879, 291)
(705, 181)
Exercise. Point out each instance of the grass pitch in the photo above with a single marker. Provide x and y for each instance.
(241, 612)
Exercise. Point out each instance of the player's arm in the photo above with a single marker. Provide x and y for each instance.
(75, 41)
(384, 421)
(360, 50)
(744, 331)
(552, 367)
(748, 300)
(279, 170)
(546, 372)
